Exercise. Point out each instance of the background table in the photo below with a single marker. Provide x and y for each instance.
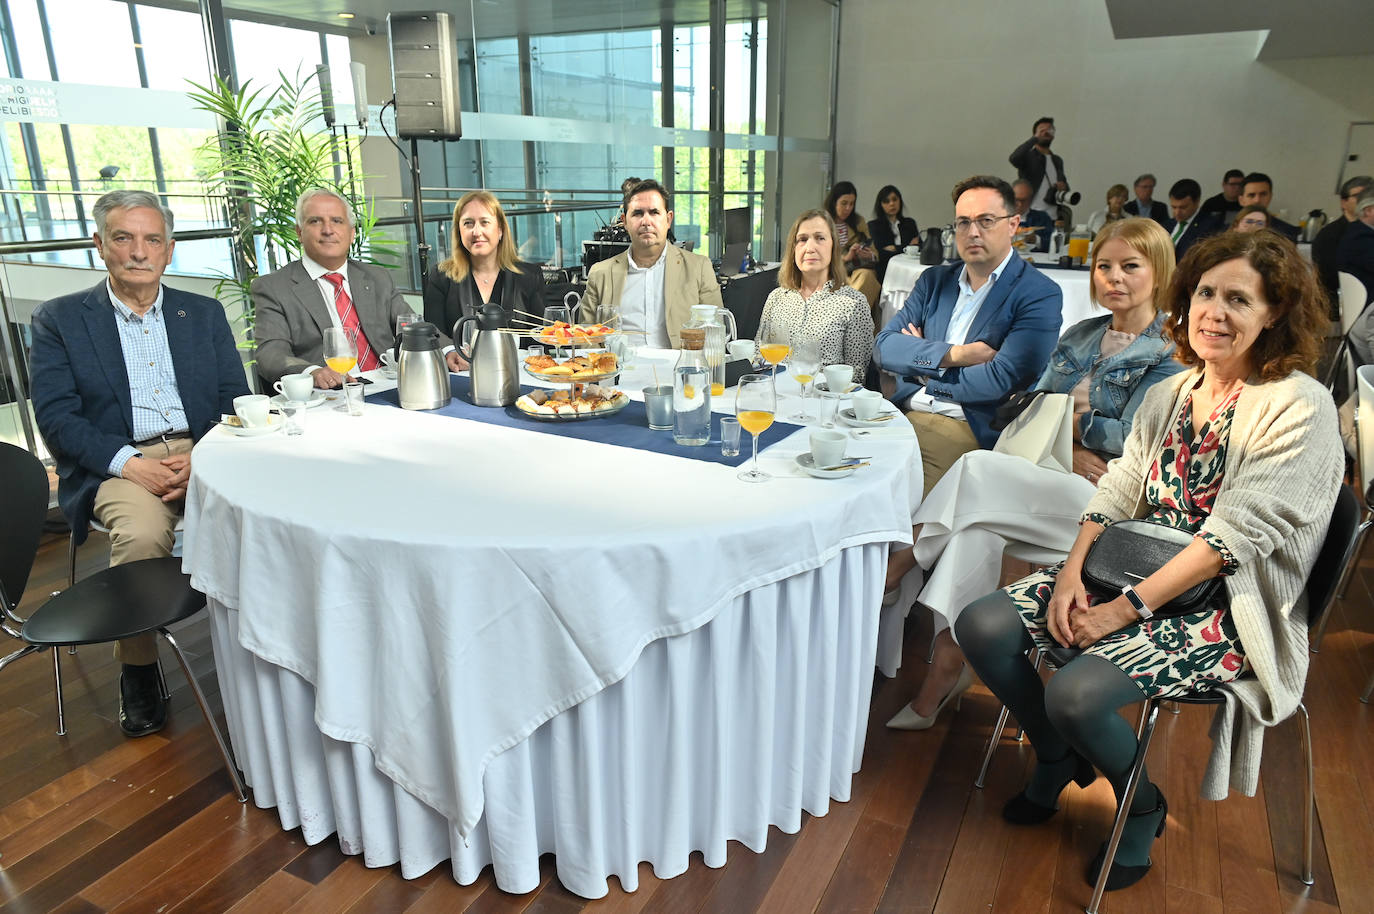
(904, 269)
(433, 657)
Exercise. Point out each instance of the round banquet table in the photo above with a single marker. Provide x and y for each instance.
(445, 639)
(904, 269)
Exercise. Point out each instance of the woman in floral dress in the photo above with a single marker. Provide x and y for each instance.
(1241, 451)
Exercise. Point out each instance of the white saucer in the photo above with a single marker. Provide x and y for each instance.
(883, 420)
(274, 424)
(824, 388)
(317, 398)
(809, 465)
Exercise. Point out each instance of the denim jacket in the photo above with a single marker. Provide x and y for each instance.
(1118, 384)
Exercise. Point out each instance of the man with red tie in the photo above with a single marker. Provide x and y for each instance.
(296, 304)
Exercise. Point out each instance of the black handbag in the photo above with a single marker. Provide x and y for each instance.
(1129, 551)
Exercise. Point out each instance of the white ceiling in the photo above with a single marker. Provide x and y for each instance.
(1297, 28)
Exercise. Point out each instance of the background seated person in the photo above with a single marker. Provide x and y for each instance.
(971, 333)
(323, 289)
(1031, 217)
(1116, 209)
(1251, 218)
(890, 228)
(653, 284)
(480, 268)
(856, 248)
(812, 300)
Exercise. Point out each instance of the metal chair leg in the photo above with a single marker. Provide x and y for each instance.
(1349, 571)
(930, 653)
(57, 690)
(209, 719)
(162, 682)
(71, 560)
(992, 745)
(1124, 806)
(1309, 810)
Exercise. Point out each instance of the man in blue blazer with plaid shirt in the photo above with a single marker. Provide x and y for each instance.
(126, 377)
(970, 334)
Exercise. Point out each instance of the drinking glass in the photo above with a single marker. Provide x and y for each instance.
(756, 403)
(341, 353)
(803, 363)
(775, 345)
(403, 321)
(552, 315)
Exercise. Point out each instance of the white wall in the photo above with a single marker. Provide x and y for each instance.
(929, 95)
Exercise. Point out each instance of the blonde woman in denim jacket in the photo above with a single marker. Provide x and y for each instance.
(987, 499)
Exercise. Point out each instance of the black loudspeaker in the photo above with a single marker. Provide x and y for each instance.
(424, 71)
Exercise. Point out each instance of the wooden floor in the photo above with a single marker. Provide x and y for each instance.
(94, 822)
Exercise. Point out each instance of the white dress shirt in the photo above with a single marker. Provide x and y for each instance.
(966, 308)
(1046, 185)
(641, 301)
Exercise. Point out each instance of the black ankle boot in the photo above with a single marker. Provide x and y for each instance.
(1022, 810)
(1125, 874)
(142, 709)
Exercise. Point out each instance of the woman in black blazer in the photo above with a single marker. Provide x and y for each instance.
(890, 230)
(481, 267)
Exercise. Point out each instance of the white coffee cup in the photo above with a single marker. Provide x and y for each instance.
(251, 410)
(838, 377)
(827, 447)
(388, 363)
(295, 386)
(741, 349)
(867, 404)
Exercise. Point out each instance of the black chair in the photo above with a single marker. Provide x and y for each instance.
(1337, 551)
(24, 502)
(119, 602)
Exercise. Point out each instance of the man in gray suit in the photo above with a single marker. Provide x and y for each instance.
(324, 289)
(654, 284)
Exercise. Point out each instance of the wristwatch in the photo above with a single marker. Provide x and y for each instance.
(1146, 614)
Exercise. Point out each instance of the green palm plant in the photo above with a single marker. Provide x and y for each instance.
(267, 151)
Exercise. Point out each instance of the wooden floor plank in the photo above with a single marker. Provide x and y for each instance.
(279, 892)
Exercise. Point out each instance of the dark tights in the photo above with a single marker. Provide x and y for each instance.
(1076, 711)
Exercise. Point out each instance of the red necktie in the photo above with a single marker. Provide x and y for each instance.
(367, 359)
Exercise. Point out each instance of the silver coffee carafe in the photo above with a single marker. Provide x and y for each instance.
(421, 375)
(492, 354)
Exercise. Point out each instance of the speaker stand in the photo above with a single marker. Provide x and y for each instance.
(422, 246)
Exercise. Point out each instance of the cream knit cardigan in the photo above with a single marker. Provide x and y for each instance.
(1284, 467)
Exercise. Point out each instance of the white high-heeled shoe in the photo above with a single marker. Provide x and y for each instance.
(908, 719)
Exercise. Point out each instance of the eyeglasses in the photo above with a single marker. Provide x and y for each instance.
(984, 223)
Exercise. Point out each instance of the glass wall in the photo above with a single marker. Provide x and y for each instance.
(564, 108)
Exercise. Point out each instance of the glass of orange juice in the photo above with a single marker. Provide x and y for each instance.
(341, 353)
(775, 345)
(756, 403)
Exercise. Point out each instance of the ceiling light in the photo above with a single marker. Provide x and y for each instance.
(345, 15)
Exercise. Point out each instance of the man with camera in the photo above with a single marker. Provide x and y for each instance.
(1040, 168)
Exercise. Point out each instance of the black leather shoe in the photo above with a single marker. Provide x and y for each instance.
(1125, 874)
(1022, 810)
(142, 709)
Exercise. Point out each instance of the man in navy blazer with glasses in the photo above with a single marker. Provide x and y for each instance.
(970, 334)
(126, 377)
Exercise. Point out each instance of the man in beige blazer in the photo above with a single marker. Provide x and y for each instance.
(654, 284)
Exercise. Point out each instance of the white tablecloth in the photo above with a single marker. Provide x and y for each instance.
(904, 269)
(434, 591)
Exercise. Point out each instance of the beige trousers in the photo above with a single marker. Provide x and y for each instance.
(142, 526)
(943, 440)
(866, 281)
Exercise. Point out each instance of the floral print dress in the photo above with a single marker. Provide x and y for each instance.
(1191, 653)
